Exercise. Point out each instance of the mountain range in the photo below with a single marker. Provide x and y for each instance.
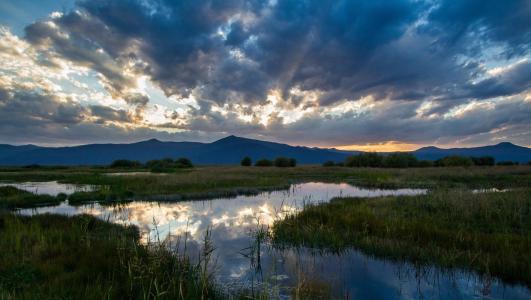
(501, 152)
(228, 150)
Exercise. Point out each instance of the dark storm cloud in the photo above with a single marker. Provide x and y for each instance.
(468, 24)
(105, 113)
(512, 81)
(136, 99)
(178, 39)
(328, 46)
(393, 123)
(21, 108)
(78, 47)
(237, 34)
(343, 49)
(313, 44)
(403, 53)
(349, 49)
(32, 116)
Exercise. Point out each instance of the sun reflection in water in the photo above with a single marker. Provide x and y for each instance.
(234, 223)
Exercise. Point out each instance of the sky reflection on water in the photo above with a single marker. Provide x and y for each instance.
(234, 222)
(50, 187)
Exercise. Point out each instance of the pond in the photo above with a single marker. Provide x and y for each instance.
(242, 260)
(52, 188)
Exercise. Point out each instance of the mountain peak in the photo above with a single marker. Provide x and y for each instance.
(152, 141)
(230, 138)
(506, 144)
(429, 148)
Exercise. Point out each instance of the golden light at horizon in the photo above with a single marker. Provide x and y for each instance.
(390, 146)
(394, 146)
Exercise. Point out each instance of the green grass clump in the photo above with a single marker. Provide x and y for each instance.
(486, 232)
(11, 197)
(56, 257)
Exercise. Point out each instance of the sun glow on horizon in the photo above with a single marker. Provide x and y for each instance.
(389, 146)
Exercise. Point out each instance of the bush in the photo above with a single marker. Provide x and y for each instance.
(183, 162)
(284, 162)
(246, 161)
(352, 161)
(400, 160)
(292, 162)
(159, 166)
(263, 163)
(483, 161)
(125, 163)
(454, 161)
(32, 166)
(371, 159)
(168, 164)
(153, 163)
(329, 163)
(425, 163)
(508, 163)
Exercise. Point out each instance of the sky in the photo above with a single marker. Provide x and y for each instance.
(371, 75)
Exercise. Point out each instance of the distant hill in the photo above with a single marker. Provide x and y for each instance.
(229, 150)
(9, 150)
(501, 152)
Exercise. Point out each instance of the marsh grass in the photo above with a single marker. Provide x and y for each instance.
(202, 178)
(223, 181)
(56, 257)
(109, 197)
(11, 197)
(489, 233)
(486, 232)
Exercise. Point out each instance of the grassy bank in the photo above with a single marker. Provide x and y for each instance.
(55, 257)
(111, 196)
(486, 232)
(223, 180)
(11, 197)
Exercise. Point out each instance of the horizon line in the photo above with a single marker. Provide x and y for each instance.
(347, 148)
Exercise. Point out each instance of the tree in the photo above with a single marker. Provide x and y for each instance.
(292, 162)
(329, 163)
(32, 166)
(507, 163)
(400, 160)
(282, 162)
(483, 161)
(263, 163)
(370, 159)
(352, 161)
(168, 160)
(184, 162)
(246, 161)
(168, 164)
(454, 161)
(124, 163)
(425, 163)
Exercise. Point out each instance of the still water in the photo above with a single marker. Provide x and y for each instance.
(50, 187)
(241, 260)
